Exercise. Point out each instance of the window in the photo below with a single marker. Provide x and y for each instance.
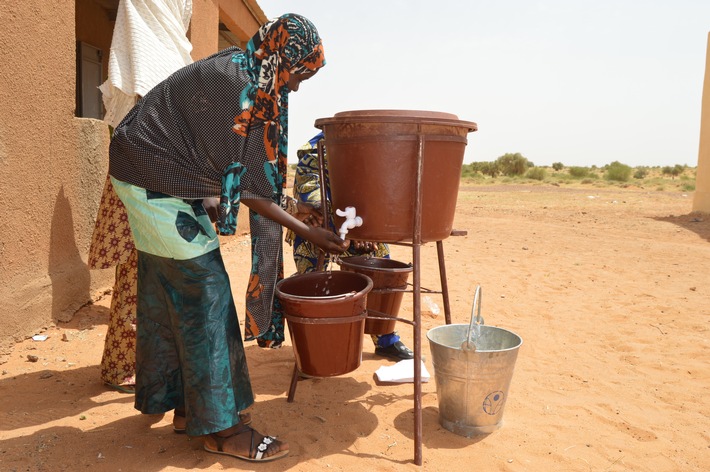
(88, 79)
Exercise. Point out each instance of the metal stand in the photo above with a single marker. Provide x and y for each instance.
(417, 308)
(416, 291)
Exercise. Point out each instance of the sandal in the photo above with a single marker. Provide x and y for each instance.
(123, 388)
(256, 454)
(179, 421)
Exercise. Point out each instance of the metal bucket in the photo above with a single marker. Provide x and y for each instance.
(389, 279)
(326, 314)
(472, 385)
(373, 158)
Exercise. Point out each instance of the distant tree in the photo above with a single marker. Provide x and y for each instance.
(641, 173)
(558, 166)
(468, 171)
(490, 168)
(484, 168)
(512, 164)
(674, 171)
(618, 172)
(677, 170)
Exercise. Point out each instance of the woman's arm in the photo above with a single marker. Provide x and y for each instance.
(321, 237)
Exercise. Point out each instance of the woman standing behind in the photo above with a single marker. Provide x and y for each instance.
(307, 188)
(198, 144)
(149, 43)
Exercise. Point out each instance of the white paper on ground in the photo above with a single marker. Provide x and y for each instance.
(402, 371)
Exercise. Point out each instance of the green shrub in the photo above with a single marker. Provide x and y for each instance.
(536, 173)
(674, 171)
(490, 168)
(512, 164)
(578, 172)
(640, 173)
(617, 172)
(483, 168)
(558, 166)
(688, 187)
(468, 172)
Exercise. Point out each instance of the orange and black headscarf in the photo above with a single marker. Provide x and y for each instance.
(287, 45)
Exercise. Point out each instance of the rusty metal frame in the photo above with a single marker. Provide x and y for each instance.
(417, 290)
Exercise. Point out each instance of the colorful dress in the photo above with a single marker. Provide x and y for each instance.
(263, 320)
(173, 150)
(307, 188)
(148, 43)
(112, 245)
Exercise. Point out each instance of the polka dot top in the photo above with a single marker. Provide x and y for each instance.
(178, 139)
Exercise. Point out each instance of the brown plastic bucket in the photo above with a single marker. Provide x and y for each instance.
(373, 161)
(326, 314)
(389, 279)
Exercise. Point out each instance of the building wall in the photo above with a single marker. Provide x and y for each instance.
(50, 172)
(52, 164)
(243, 19)
(701, 200)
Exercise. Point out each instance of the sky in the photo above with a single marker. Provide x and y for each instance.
(573, 81)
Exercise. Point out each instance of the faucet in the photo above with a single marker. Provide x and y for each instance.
(351, 220)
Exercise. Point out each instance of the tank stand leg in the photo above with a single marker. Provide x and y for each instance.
(444, 283)
(294, 382)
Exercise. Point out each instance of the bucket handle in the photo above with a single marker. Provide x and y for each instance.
(476, 319)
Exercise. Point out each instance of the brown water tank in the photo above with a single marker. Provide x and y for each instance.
(373, 163)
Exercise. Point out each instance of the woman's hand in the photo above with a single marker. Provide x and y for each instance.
(309, 214)
(211, 205)
(364, 247)
(321, 237)
(327, 240)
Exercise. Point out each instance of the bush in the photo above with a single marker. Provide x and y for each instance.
(558, 166)
(641, 173)
(688, 187)
(674, 171)
(536, 173)
(512, 164)
(490, 168)
(468, 171)
(578, 172)
(618, 172)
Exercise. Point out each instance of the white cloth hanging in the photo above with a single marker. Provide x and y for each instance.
(149, 43)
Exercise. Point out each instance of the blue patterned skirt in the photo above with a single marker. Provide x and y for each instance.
(189, 350)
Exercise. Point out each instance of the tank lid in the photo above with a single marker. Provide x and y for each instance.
(401, 116)
(398, 113)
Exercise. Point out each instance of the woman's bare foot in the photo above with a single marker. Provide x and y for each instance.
(243, 442)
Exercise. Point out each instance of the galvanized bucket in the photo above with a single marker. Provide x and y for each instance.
(472, 382)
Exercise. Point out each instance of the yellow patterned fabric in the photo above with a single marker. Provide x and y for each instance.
(112, 245)
(307, 188)
(112, 241)
(118, 364)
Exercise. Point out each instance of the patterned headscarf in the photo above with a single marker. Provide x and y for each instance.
(287, 45)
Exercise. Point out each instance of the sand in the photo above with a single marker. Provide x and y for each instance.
(607, 287)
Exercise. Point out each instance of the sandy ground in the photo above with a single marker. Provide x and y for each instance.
(608, 289)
